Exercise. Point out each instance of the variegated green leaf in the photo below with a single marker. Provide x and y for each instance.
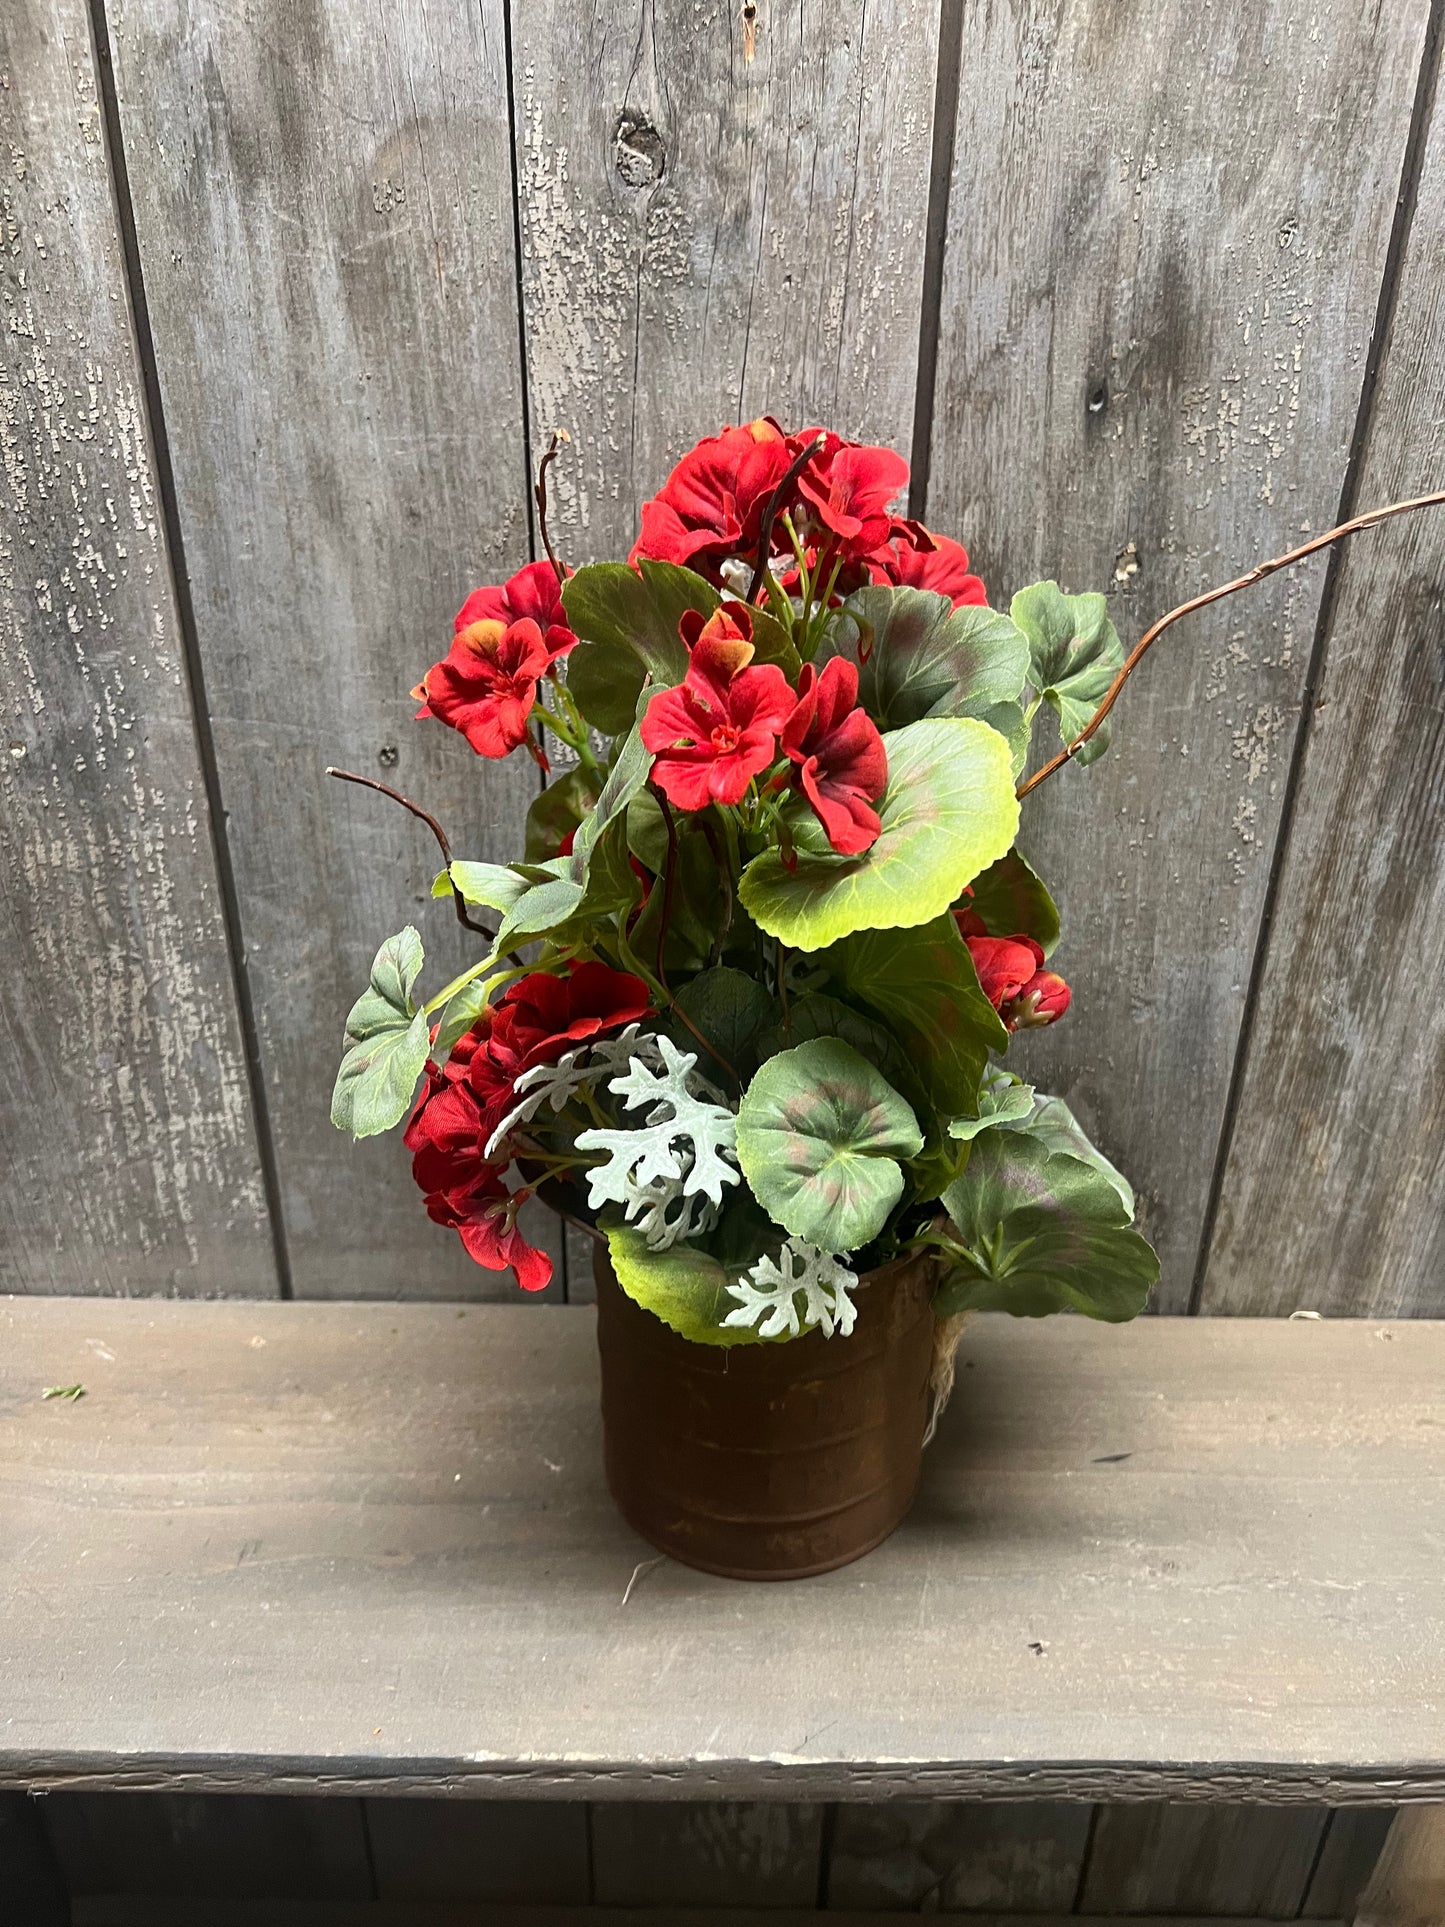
(1012, 901)
(820, 1133)
(922, 657)
(948, 812)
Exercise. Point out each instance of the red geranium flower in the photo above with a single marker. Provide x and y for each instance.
(849, 487)
(718, 731)
(486, 684)
(445, 1132)
(919, 560)
(484, 1213)
(842, 766)
(541, 1016)
(712, 504)
(533, 592)
(1010, 975)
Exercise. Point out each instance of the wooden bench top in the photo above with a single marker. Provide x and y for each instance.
(368, 1547)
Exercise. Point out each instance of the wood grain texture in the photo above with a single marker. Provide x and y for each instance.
(120, 1912)
(707, 238)
(947, 1857)
(1407, 1888)
(359, 1548)
(1168, 226)
(1169, 1859)
(1353, 1840)
(707, 1853)
(125, 1120)
(209, 1845)
(432, 1850)
(323, 202)
(1333, 1190)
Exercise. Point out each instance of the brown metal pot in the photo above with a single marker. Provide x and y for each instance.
(768, 1461)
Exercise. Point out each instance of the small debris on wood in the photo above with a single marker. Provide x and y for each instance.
(640, 1571)
(71, 1392)
(1112, 1458)
(1038, 1648)
(750, 29)
(1304, 1314)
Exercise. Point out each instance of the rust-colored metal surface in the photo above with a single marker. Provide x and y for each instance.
(768, 1461)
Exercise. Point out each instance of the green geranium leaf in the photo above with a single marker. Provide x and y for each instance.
(1002, 1100)
(924, 983)
(1054, 1125)
(558, 811)
(820, 1133)
(930, 659)
(494, 886)
(459, 1013)
(1074, 655)
(1012, 901)
(1015, 728)
(817, 1015)
(949, 811)
(683, 1287)
(1043, 1232)
(628, 624)
(730, 1009)
(386, 1043)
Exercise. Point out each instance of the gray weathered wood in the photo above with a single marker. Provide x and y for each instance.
(323, 204)
(707, 238)
(125, 1121)
(120, 1912)
(363, 1548)
(722, 1853)
(480, 1850)
(1169, 1859)
(209, 1845)
(1353, 1840)
(1167, 230)
(949, 1857)
(1332, 1195)
(32, 1893)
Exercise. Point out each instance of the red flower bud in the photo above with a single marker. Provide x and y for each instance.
(1043, 1000)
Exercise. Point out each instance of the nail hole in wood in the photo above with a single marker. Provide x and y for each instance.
(640, 155)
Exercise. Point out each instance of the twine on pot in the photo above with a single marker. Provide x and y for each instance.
(946, 1334)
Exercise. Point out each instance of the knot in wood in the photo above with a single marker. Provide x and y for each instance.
(640, 155)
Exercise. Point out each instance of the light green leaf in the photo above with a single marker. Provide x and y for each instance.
(459, 1013)
(929, 659)
(559, 809)
(1015, 728)
(949, 811)
(924, 983)
(1043, 1232)
(730, 1008)
(1054, 1125)
(1002, 1100)
(685, 1288)
(820, 1133)
(1074, 655)
(628, 774)
(1012, 901)
(494, 886)
(387, 1040)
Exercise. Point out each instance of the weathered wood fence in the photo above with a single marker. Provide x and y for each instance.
(291, 296)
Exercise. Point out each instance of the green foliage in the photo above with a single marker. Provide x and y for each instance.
(557, 811)
(627, 622)
(1002, 1099)
(820, 1133)
(685, 1288)
(817, 1015)
(1053, 1124)
(385, 1045)
(949, 811)
(1042, 1231)
(929, 659)
(730, 1009)
(1074, 655)
(459, 1013)
(1012, 901)
(924, 983)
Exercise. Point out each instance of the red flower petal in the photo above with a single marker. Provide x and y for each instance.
(712, 504)
(915, 559)
(841, 764)
(486, 684)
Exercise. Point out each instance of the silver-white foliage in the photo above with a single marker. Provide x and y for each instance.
(669, 1172)
(556, 1083)
(803, 1288)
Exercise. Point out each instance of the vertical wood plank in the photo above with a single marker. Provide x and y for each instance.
(1168, 1858)
(532, 1851)
(950, 1856)
(230, 1846)
(1353, 1841)
(1332, 1190)
(322, 195)
(1408, 1886)
(707, 238)
(706, 1853)
(32, 1893)
(126, 1133)
(1168, 225)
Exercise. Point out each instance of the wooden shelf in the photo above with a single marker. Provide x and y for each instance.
(368, 1548)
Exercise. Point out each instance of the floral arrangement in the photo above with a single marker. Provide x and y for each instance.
(745, 1006)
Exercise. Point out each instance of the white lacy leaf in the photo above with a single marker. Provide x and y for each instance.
(769, 1294)
(544, 1083)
